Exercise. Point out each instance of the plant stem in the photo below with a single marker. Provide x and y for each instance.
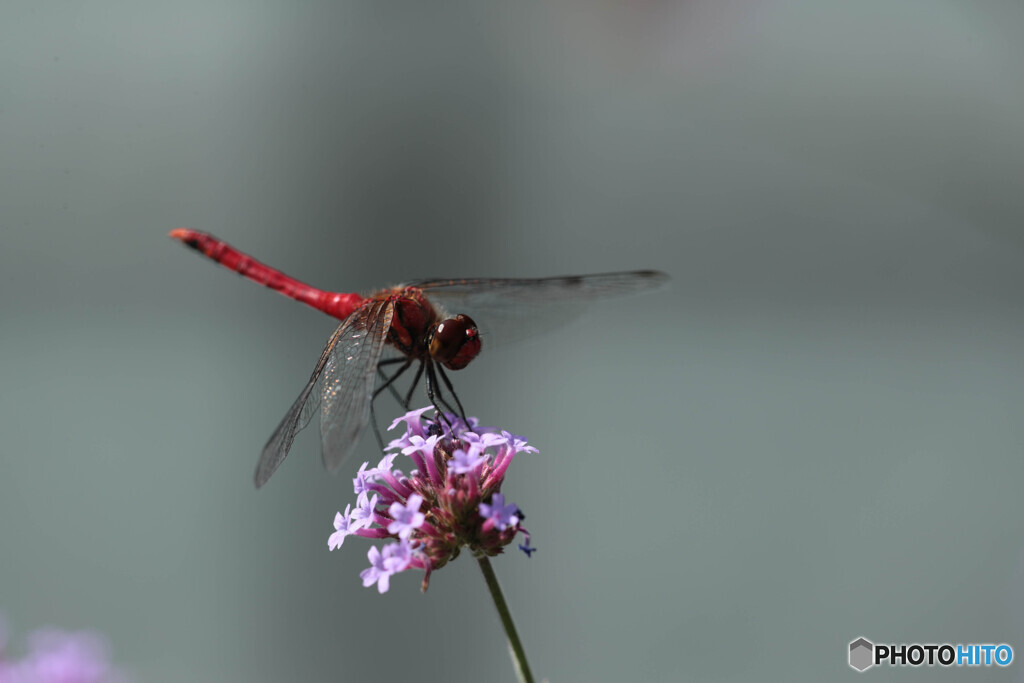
(515, 646)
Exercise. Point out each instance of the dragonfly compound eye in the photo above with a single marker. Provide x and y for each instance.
(455, 342)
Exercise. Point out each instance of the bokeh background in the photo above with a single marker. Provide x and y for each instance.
(814, 435)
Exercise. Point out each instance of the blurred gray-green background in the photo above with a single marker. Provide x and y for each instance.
(815, 435)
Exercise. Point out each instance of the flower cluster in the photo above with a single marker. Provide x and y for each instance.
(450, 500)
(56, 656)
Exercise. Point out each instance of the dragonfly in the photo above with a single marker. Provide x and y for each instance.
(413, 320)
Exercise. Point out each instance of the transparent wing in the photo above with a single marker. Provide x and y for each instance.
(297, 417)
(510, 309)
(351, 352)
(348, 379)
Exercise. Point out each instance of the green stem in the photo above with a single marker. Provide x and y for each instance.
(515, 646)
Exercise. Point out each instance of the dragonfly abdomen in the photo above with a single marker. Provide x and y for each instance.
(335, 304)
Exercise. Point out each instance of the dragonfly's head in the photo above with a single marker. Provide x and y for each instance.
(455, 342)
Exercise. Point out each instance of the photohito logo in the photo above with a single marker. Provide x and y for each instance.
(864, 654)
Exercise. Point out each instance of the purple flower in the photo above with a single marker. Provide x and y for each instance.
(377, 573)
(450, 500)
(362, 516)
(407, 518)
(385, 463)
(364, 479)
(395, 558)
(482, 441)
(61, 657)
(413, 427)
(342, 528)
(421, 452)
(498, 514)
(465, 460)
(425, 447)
(517, 443)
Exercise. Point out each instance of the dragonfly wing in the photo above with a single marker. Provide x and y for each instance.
(297, 417)
(510, 309)
(348, 380)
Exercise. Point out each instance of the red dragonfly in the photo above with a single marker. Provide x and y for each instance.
(412, 319)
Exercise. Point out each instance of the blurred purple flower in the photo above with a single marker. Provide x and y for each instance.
(56, 656)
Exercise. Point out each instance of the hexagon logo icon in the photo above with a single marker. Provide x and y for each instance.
(862, 653)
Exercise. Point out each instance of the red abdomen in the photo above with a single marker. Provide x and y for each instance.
(334, 304)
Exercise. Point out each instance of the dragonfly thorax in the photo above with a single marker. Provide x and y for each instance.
(412, 324)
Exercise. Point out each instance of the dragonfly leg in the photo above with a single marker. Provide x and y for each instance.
(447, 383)
(435, 395)
(376, 429)
(388, 384)
(412, 387)
(390, 387)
